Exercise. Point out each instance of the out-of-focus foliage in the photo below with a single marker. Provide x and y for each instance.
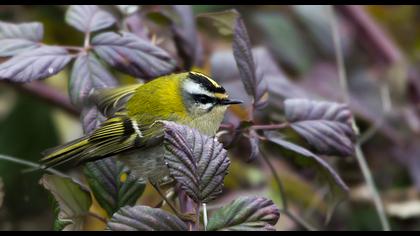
(292, 52)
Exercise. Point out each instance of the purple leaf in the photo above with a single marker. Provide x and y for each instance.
(198, 162)
(246, 214)
(254, 82)
(186, 37)
(91, 118)
(280, 85)
(137, 26)
(133, 55)
(88, 18)
(36, 64)
(16, 38)
(326, 126)
(144, 218)
(255, 151)
(224, 69)
(88, 74)
(277, 139)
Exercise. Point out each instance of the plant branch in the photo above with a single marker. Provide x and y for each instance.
(282, 191)
(186, 205)
(374, 38)
(47, 94)
(37, 166)
(86, 43)
(269, 127)
(197, 214)
(359, 153)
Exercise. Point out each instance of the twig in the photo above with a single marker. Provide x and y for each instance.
(197, 219)
(40, 167)
(31, 164)
(186, 205)
(282, 191)
(205, 216)
(86, 42)
(47, 94)
(375, 39)
(299, 220)
(359, 153)
(268, 127)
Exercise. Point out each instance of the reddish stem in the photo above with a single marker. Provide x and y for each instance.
(268, 127)
(47, 94)
(371, 34)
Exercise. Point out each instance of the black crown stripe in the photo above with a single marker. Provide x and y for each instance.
(206, 83)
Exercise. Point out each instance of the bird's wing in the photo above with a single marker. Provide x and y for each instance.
(117, 135)
(112, 100)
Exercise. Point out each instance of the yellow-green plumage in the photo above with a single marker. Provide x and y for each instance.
(131, 133)
(163, 105)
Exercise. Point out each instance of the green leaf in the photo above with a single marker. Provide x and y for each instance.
(246, 214)
(73, 200)
(21, 137)
(198, 162)
(144, 218)
(112, 184)
(222, 22)
(285, 40)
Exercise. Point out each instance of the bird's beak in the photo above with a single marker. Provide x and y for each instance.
(230, 102)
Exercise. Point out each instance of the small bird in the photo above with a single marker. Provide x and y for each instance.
(130, 131)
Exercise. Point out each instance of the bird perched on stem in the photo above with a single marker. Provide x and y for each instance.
(131, 132)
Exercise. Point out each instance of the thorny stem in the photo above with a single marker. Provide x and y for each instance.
(282, 191)
(359, 153)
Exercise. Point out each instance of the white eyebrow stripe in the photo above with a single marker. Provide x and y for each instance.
(206, 106)
(194, 88)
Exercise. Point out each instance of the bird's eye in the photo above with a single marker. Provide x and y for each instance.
(203, 99)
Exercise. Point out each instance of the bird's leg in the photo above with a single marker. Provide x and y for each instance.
(184, 216)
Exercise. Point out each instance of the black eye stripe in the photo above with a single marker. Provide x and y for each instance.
(201, 98)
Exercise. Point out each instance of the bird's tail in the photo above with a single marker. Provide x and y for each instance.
(65, 153)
